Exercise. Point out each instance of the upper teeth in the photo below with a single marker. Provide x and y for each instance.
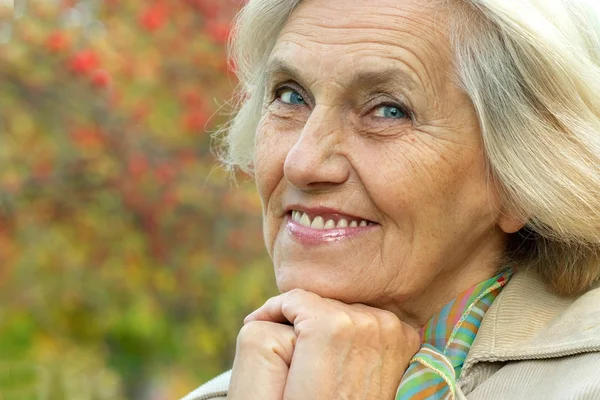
(319, 223)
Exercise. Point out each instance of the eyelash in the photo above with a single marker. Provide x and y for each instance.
(286, 86)
(278, 89)
(402, 108)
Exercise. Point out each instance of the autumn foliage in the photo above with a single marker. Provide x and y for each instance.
(127, 257)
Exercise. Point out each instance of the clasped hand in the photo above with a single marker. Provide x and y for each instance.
(300, 346)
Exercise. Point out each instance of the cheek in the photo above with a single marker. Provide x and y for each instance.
(268, 163)
(270, 151)
(424, 180)
(408, 172)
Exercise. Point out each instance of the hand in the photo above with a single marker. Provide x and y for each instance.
(341, 351)
(262, 359)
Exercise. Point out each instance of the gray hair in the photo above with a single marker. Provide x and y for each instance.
(532, 71)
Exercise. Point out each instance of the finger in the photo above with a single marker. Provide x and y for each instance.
(259, 335)
(290, 307)
(263, 356)
(393, 328)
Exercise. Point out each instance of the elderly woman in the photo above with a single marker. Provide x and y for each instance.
(430, 179)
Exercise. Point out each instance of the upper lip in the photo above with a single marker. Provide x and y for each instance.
(325, 210)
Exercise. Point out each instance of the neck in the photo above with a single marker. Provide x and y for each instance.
(419, 308)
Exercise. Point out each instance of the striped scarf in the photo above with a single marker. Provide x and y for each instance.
(447, 338)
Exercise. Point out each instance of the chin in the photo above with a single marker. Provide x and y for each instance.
(319, 282)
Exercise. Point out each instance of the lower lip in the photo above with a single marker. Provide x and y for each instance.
(311, 236)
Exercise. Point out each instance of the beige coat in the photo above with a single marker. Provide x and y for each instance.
(531, 345)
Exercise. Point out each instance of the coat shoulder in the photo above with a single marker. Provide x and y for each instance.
(562, 378)
(215, 389)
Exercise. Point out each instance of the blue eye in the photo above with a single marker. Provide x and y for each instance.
(290, 96)
(390, 112)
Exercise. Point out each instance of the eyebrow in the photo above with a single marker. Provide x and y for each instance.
(377, 77)
(279, 66)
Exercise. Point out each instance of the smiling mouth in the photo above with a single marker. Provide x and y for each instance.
(327, 221)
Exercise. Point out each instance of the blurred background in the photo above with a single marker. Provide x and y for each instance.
(128, 259)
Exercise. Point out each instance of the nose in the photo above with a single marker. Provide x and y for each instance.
(315, 161)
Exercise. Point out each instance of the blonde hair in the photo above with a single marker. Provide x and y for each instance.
(532, 71)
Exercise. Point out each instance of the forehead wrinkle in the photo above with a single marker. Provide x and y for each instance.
(428, 48)
(279, 66)
(427, 52)
(397, 68)
(379, 76)
(348, 35)
(403, 65)
(422, 13)
(426, 18)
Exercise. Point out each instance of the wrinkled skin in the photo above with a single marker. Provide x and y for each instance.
(377, 129)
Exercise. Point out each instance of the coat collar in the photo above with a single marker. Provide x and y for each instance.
(214, 389)
(527, 321)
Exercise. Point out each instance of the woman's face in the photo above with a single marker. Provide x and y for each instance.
(364, 132)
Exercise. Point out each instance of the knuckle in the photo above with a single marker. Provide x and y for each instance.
(287, 338)
(341, 325)
(390, 323)
(368, 324)
(286, 308)
(295, 292)
(251, 335)
(269, 301)
(266, 338)
(412, 337)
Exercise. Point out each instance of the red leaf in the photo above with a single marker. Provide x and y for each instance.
(87, 138)
(101, 79)
(164, 174)
(57, 42)
(218, 31)
(140, 112)
(84, 62)
(42, 169)
(193, 99)
(210, 9)
(138, 165)
(195, 121)
(186, 159)
(170, 199)
(154, 17)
